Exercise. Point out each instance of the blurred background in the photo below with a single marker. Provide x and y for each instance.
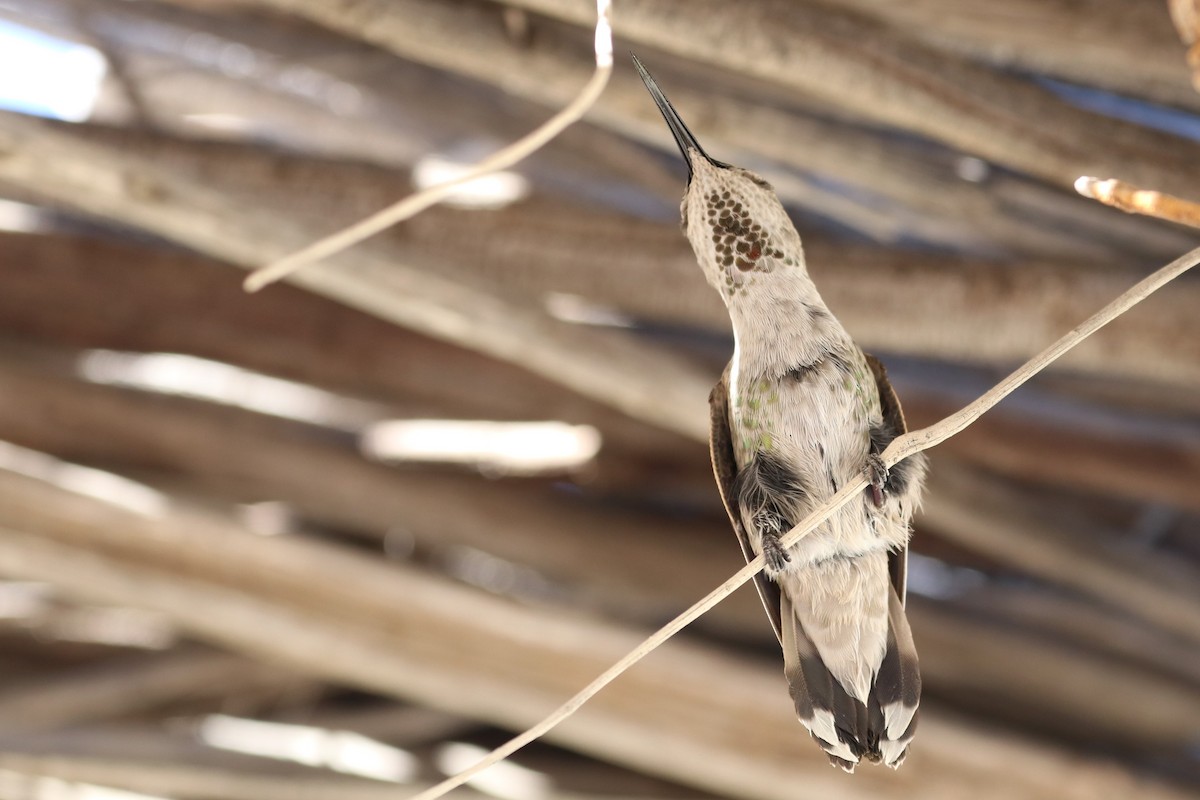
(334, 539)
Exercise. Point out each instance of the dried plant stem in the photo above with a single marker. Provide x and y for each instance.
(501, 159)
(901, 448)
(937, 433)
(1133, 200)
(608, 676)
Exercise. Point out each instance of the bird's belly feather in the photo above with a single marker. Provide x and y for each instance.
(817, 428)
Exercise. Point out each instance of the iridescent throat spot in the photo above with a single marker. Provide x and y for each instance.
(739, 241)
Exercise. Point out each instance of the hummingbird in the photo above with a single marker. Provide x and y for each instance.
(799, 411)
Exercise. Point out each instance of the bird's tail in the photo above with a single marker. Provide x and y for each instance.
(846, 727)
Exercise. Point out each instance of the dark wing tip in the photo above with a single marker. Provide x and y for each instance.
(725, 471)
(897, 691)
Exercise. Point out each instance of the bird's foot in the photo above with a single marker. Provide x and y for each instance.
(877, 476)
(777, 558)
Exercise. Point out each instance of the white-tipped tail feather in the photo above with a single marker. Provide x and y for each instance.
(849, 659)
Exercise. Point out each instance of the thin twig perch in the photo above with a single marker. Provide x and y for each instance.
(502, 159)
(1133, 200)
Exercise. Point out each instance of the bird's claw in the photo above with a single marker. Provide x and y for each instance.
(777, 558)
(877, 476)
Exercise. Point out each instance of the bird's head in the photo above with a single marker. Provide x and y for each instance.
(739, 230)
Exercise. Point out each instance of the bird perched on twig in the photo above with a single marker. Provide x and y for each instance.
(799, 411)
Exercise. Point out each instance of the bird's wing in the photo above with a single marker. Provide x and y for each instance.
(725, 469)
(893, 417)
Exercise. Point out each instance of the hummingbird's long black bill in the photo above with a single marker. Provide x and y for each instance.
(683, 137)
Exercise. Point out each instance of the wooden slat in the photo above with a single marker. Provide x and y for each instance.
(689, 713)
(883, 75)
(616, 561)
